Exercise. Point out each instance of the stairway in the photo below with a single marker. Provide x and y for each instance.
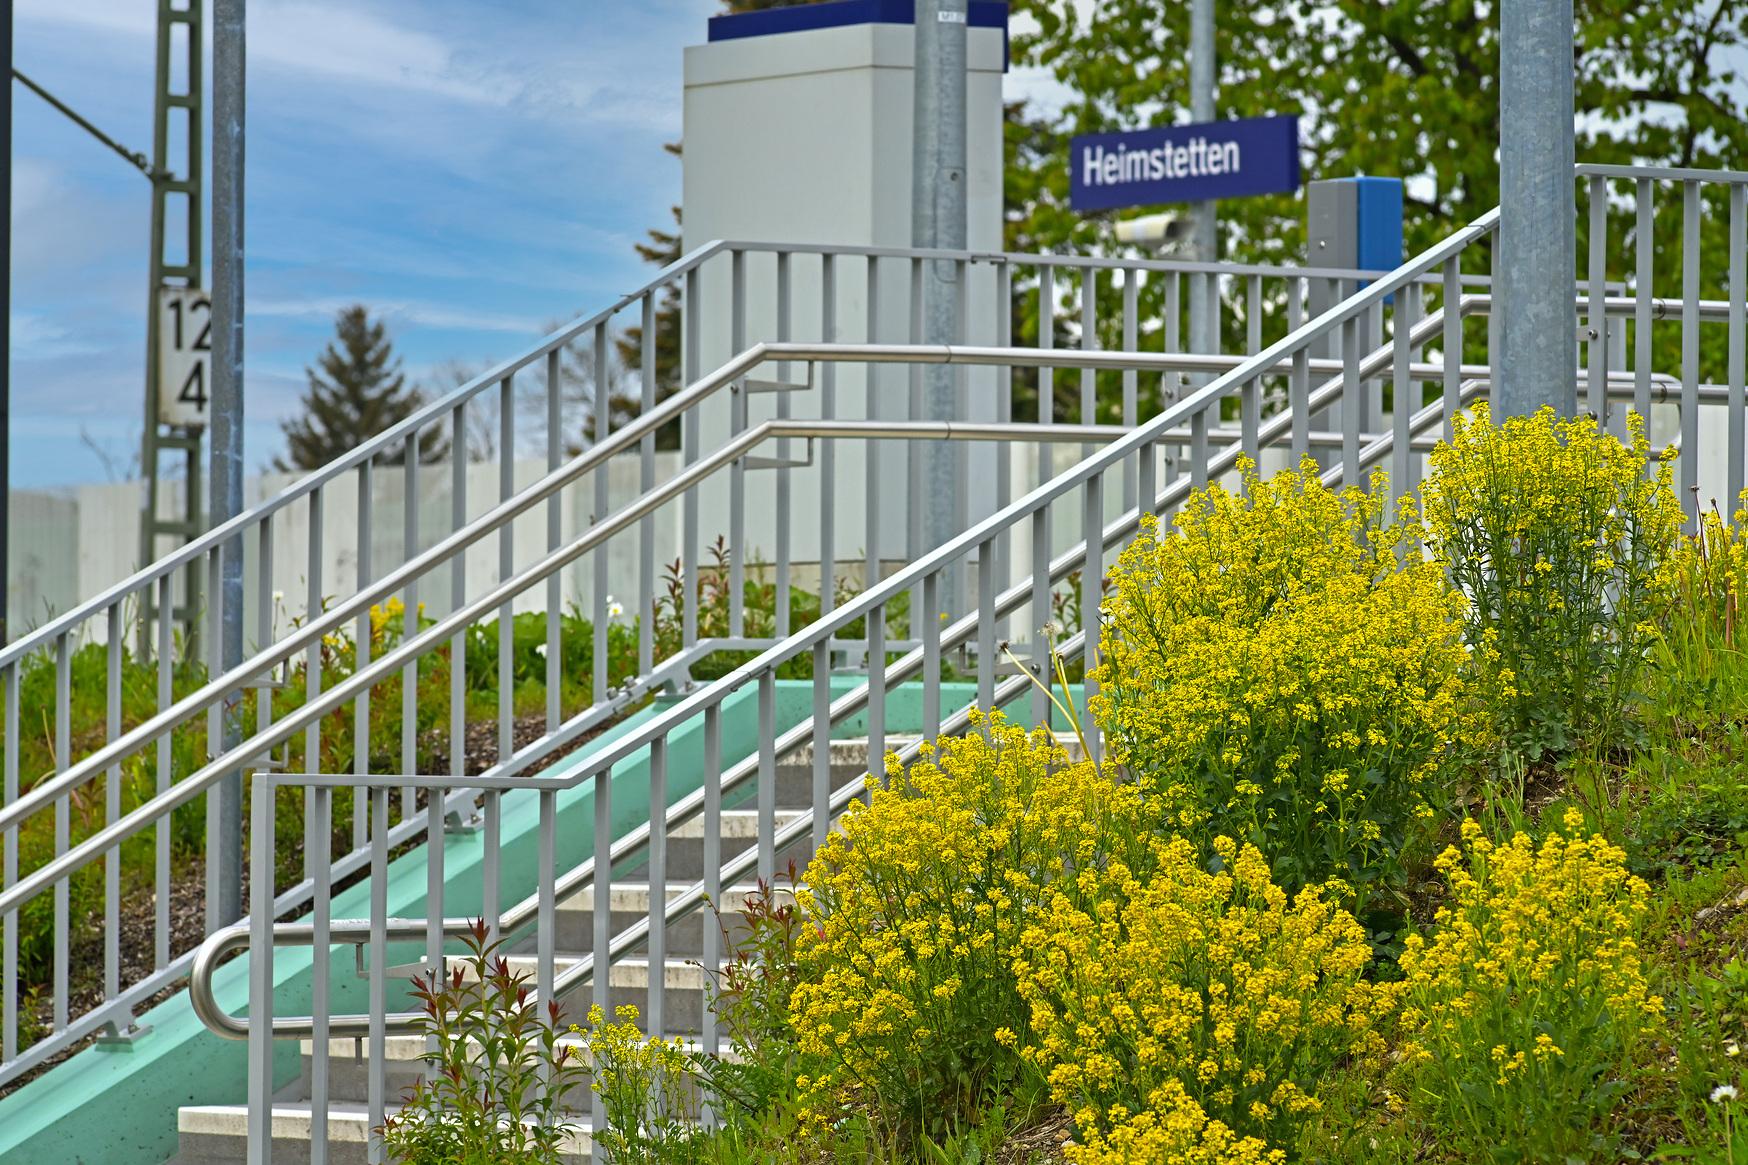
(217, 1134)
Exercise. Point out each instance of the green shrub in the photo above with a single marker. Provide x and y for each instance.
(1558, 537)
(1286, 671)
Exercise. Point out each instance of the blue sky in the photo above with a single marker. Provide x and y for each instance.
(473, 171)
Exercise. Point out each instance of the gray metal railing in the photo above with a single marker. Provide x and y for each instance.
(184, 715)
(1195, 425)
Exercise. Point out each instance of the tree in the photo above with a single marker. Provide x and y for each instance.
(1403, 89)
(356, 390)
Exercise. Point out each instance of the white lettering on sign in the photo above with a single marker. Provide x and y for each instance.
(1102, 167)
(949, 18)
(184, 356)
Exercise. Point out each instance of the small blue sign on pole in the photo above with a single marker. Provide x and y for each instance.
(1184, 163)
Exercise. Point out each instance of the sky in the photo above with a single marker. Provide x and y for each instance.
(472, 171)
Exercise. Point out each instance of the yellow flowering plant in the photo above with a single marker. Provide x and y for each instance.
(648, 1092)
(913, 915)
(1700, 677)
(1523, 1006)
(1179, 1008)
(1557, 534)
(1286, 669)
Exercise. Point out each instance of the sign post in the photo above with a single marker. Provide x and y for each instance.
(1184, 163)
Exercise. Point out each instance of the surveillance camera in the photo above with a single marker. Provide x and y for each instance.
(1153, 230)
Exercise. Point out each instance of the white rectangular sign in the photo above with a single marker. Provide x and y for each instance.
(184, 356)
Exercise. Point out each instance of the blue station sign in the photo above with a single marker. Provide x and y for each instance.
(1184, 163)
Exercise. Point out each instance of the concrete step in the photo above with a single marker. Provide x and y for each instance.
(403, 1063)
(630, 902)
(218, 1134)
(684, 984)
(740, 832)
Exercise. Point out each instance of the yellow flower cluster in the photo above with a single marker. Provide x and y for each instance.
(913, 915)
(1289, 670)
(645, 1085)
(1172, 1128)
(1532, 985)
(1557, 534)
(1188, 1001)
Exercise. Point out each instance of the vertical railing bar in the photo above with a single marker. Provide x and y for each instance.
(646, 531)
(1148, 456)
(603, 419)
(376, 1082)
(317, 851)
(602, 890)
(1299, 381)
(215, 718)
(828, 450)
(1004, 405)
(1131, 378)
(1092, 577)
(1352, 401)
(63, 816)
(1453, 343)
(410, 623)
(986, 579)
(360, 660)
(1737, 440)
(491, 876)
(1402, 404)
(1250, 402)
(822, 742)
(1199, 448)
(506, 569)
(1089, 342)
(1598, 322)
(658, 886)
(767, 791)
(873, 409)
(913, 452)
(785, 331)
(1688, 463)
(161, 886)
(1646, 242)
(260, 1044)
(876, 625)
(1041, 614)
(1046, 375)
(737, 474)
(112, 805)
(546, 908)
(931, 633)
(691, 438)
(554, 533)
(9, 867)
(458, 595)
(712, 871)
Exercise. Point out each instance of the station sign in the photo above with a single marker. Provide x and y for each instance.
(1184, 163)
(184, 356)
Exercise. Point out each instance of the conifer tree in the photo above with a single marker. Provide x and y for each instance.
(356, 390)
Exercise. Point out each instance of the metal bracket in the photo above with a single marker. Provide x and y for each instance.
(454, 824)
(402, 971)
(756, 385)
(781, 462)
(115, 1038)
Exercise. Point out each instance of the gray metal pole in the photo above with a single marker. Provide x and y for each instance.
(227, 410)
(1536, 264)
(938, 214)
(1204, 231)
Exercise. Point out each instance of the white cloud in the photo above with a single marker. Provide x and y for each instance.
(424, 315)
(37, 337)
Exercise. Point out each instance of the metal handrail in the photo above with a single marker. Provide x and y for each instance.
(436, 410)
(823, 630)
(224, 943)
(47, 792)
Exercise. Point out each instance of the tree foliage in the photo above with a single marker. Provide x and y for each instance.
(356, 390)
